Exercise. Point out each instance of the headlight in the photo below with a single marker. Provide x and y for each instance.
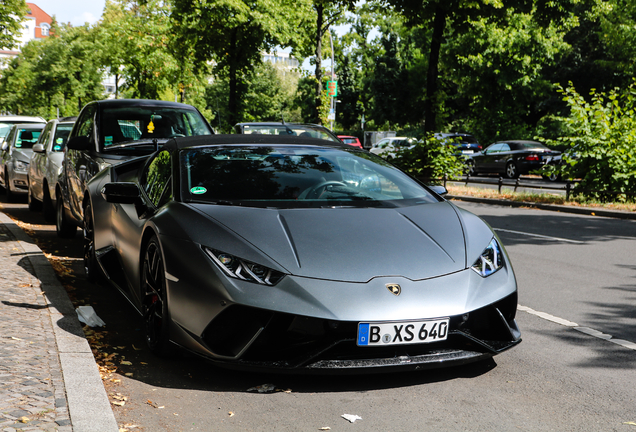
(245, 270)
(490, 260)
(20, 166)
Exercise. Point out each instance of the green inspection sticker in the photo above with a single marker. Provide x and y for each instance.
(198, 190)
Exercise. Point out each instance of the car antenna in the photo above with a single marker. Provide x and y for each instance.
(282, 118)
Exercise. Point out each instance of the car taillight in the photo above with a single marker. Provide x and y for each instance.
(533, 157)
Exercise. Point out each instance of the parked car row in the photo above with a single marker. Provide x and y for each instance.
(225, 243)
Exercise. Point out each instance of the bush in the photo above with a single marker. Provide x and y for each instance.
(429, 159)
(601, 143)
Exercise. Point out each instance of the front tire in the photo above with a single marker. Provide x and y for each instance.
(91, 267)
(7, 187)
(34, 205)
(47, 206)
(155, 301)
(63, 226)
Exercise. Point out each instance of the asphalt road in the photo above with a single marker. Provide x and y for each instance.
(573, 270)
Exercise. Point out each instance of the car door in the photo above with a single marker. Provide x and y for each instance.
(79, 163)
(486, 161)
(5, 153)
(37, 166)
(501, 158)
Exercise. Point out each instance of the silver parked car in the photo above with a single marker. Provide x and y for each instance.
(46, 163)
(15, 157)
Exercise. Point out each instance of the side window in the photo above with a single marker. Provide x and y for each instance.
(44, 138)
(86, 123)
(156, 179)
(496, 148)
(504, 148)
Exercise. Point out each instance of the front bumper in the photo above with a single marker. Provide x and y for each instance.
(247, 338)
(19, 183)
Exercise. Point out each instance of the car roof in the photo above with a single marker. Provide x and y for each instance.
(116, 103)
(277, 124)
(518, 142)
(249, 139)
(25, 119)
(29, 125)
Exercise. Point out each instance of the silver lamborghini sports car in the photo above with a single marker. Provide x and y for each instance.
(298, 254)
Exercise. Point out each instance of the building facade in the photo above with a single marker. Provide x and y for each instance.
(37, 25)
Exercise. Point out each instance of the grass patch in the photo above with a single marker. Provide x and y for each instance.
(545, 198)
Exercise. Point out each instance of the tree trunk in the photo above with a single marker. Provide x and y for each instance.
(318, 96)
(439, 22)
(231, 106)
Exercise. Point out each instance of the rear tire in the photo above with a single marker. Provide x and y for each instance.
(64, 227)
(511, 170)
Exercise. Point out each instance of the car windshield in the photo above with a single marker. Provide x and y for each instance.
(61, 136)
(304, 131)
(131, 124)
(27, 137)
(294, 177)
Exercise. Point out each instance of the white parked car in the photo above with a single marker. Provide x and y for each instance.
(387, 147)
(7, 121)
(46, 164)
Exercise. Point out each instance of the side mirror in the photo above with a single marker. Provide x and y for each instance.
(38, 148)
(121, 193)
(439, 190)
(4, 146)
(79, 143)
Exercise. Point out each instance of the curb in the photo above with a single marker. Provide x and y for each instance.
(590, 211)
(88, 405)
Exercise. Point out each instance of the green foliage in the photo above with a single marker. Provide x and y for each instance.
(57, 73)
(602, 142)
(12, 13)
(269, 94)
(430, 160)
(134, 36)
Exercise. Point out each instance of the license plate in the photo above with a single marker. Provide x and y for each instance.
(468, 151)
(402, 332)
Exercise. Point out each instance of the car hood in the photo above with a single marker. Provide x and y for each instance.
(344, 244)
(22, 154)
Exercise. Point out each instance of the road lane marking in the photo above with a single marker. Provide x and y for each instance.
(539, 236)
(575, 326)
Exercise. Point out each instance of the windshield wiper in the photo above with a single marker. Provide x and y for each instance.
(131, 144)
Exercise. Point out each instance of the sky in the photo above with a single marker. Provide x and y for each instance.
(77, 12)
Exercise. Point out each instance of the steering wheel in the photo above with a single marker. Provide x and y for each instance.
(317, 190)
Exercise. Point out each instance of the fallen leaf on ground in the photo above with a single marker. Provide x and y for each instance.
(231, 414)
(24, 419)
(324, 428)
(630, 423)
(120, 403)
(129, 374)
(152, 404)
(126, 363)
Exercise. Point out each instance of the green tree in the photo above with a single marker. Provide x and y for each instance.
(232, 34)
(56, 73)
(136, 35)
(316, 26)
(12, 13)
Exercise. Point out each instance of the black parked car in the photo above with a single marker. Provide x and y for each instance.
(111, 131)
(510, 158)
(465, 143)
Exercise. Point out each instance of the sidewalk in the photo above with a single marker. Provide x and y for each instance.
(49, 380)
